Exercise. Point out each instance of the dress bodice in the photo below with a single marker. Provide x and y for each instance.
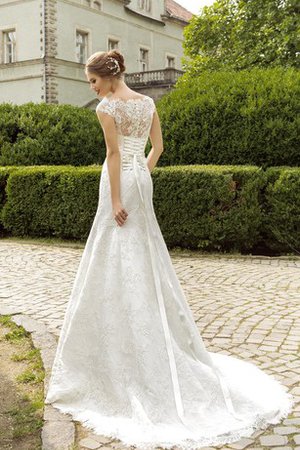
(133, 119)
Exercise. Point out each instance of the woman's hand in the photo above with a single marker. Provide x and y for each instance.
(120, 214)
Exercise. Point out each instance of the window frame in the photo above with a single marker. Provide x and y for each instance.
(170, 55)
(147, 49)
(87, 33)
(115, 39)
(3, 54)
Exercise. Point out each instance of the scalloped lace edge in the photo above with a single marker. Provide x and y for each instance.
(259, 422)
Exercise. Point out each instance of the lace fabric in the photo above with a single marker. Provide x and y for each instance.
(133, 117)
(130, 362)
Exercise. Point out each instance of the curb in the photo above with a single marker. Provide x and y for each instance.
(58, 432)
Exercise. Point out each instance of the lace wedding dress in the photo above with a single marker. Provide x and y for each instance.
(130, 362)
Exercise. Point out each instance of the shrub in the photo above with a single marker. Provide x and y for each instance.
(246, 117)
(39, 134)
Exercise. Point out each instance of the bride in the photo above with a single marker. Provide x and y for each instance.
(130, 362)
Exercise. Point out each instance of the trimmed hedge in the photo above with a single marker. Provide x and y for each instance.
(49, 134)
(209, 207)
(223, 208)
(281, 209)
(51, 201)
(249, 117)
(4, 174)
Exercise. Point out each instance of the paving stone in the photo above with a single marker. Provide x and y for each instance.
(109, 448)
(51, 413)
(285, 430)
(297, 438)
(254, 448)
(241, 444)
(202, 448)
(257, 433)
(273, 440)
(292, 421)
(58, 435)
(101, 439)
(9, 310)
(89, 443)
(283, 448)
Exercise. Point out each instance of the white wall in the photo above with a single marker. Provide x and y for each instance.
(132, 32)
(23, 81)
(25, 17)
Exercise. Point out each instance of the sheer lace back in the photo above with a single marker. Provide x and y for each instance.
(133, 117)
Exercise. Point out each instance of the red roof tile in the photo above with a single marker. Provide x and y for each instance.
(176, 10)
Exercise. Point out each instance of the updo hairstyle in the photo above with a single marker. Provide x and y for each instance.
(106, 64)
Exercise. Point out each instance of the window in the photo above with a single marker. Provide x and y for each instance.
(170, 61)
(148, 5)
(81, 46)
(144, 59)
(112, 44)
(97, 5)
(9, 46)
(145, 5)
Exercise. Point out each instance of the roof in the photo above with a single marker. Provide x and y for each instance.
(177, 11)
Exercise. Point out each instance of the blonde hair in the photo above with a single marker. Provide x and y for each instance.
(106, 64)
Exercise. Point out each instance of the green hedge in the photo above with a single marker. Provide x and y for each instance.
(249, 117)
(41, 134)
(281, 209)
(223, 208)
(51, 201)
(4, 174)
(209, 207)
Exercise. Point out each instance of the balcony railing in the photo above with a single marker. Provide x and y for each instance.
(153, 77)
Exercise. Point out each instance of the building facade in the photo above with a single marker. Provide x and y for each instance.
(45, 43)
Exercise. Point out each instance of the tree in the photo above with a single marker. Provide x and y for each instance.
(240, 34)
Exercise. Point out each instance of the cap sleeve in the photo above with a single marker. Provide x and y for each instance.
(106, 107)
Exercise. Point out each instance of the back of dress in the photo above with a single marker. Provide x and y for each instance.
(133, 120)
(133, 117)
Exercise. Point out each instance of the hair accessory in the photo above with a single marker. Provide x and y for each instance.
(116, 65)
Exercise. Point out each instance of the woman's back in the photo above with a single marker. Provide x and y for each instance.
(133, 117)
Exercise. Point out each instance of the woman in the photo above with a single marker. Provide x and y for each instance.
(130, 362)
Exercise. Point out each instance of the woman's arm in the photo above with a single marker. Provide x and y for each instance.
(156, 141)
(113, 164)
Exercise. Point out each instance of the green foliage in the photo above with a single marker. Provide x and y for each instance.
(223, 208)
(240, 34)
(17, 334)
(281, 218)
(4, 174)
(209, 207)
(51, 201)
(37, 134)
(246, 117)
(62, 202)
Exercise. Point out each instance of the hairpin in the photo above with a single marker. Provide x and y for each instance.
(116, 65)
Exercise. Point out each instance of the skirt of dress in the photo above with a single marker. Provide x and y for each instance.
(130, 362)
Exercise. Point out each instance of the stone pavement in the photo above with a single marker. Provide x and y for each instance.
(246, 306)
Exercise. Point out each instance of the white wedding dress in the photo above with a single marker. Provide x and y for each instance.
(130, 362)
